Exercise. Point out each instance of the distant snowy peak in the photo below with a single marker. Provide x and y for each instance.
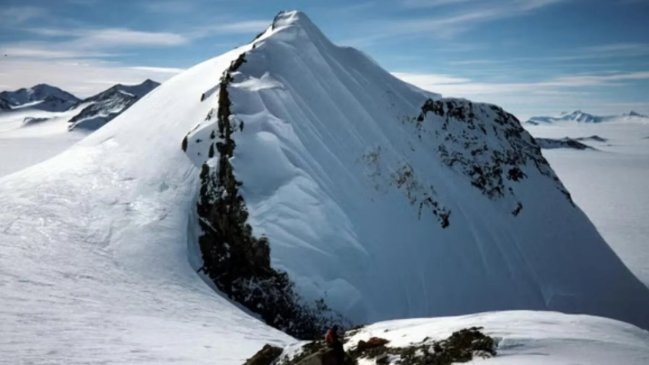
(137, 91)
(41, 96)
(634, 114)
(103, 107)
(582, 117)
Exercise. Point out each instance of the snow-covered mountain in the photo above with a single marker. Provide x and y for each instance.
(103, 107)
(582, 117)
(41, 96)
(361, 185)
(306, 168)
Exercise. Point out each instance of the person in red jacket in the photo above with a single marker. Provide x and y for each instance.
(333, 342)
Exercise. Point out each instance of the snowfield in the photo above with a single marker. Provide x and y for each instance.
(25, 144)
(98, 251)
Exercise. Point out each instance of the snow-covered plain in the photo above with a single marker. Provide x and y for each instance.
(25, 144)
(609, 184)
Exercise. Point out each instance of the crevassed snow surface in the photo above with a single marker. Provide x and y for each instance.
(610, 184)
(527, 338)
(94, 248)
(324, 134)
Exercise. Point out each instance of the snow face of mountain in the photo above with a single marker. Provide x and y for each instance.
(581, 117)
(41, 96)
(105, 106)
(382, 200)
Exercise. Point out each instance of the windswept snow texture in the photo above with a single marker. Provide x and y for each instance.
(526, 338)
(348, 184)
(94, 248)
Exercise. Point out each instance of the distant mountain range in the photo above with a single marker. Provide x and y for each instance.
(582, 117)
(93, 112)
(110, 103)
(41, 96)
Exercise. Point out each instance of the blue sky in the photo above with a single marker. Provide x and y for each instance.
(530, 56)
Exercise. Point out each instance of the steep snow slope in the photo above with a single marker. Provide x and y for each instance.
(41, 96)
(94, 248)
(609, 184)
(388, 204)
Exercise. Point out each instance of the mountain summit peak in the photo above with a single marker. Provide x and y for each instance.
(291, 18)
(295, 24)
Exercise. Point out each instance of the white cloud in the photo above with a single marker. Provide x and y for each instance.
(111, 37)
(528, 98)
(163, 70)
(123, 37)
(82, 78)
(43, 51)
(465, 15)
(459, 86)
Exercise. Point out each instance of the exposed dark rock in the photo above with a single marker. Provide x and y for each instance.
(461, 346)
(234, 259)
(41, 96)
(108, 104)
(32, 120)
(265, 356)
(483, 142)
(550, 143)
(594, 138)
(372, 343)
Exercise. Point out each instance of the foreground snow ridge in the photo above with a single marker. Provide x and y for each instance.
(387, 201)
(526, 337)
